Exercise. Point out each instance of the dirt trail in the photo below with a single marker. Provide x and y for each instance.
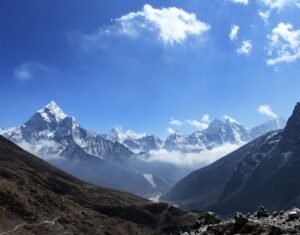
(49, 222)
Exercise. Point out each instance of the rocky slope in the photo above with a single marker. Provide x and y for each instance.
(260, 222)
(265, 171)
(37, 198)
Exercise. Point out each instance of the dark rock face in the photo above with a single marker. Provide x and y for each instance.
(209, 218)
(261, 212)
(240, 219)
(37, 198)
(265, 171)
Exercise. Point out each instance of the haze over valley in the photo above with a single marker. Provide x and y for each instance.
(149, 117)
(139, 163)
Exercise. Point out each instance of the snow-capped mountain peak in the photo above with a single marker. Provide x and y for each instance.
(51, 133)
(134, 135)
(117, 134)
(273, 124)
(136, 142)
(229, 119)
(52, 111)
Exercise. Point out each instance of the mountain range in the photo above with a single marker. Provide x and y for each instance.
(38, 198)
(59, 139)
(262, 172)
(137, 143)
(117, 159)
(218, 133)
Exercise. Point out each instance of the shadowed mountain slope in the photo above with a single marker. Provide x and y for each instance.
(37, 198)
(59, 139)
(265, 171)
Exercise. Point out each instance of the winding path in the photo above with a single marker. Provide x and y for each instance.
(50, 222)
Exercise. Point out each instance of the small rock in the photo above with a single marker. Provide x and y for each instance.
(262, 212)
(185, 233)
(197, 225)
(293, 215)
(281, 212)
(240, 219)
(209, 218)
(275, 214)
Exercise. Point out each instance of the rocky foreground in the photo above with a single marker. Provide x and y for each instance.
(261, 222)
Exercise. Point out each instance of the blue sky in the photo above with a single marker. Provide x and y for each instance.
(141, 64)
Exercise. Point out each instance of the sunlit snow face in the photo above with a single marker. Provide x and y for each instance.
(52, 110)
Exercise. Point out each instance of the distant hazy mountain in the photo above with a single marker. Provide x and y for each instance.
(218, 133)
(135, 142)
(58, 138)
(274, 124)
(264, 171)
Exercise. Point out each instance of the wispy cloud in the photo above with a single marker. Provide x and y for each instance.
(243, 2)
(197, 124)
(29, 70)
(233, 35)
(284, 44)
(176, 123)
(265, 16)
(246, 48)
(200, 125)
(206, 118)
(266, 110)
(278, 5)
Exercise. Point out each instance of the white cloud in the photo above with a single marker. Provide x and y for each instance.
(173, 25)
(174, 122)
(206, 118)
(284, 44)
(264, 15)
(246, 48)
(197, 124)
(278, 5)
(266, 110)
(194, 160)
(167, 26)
(203, 124)
(243, 2)
(29, 70)
(233, 35)
(171, 131)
